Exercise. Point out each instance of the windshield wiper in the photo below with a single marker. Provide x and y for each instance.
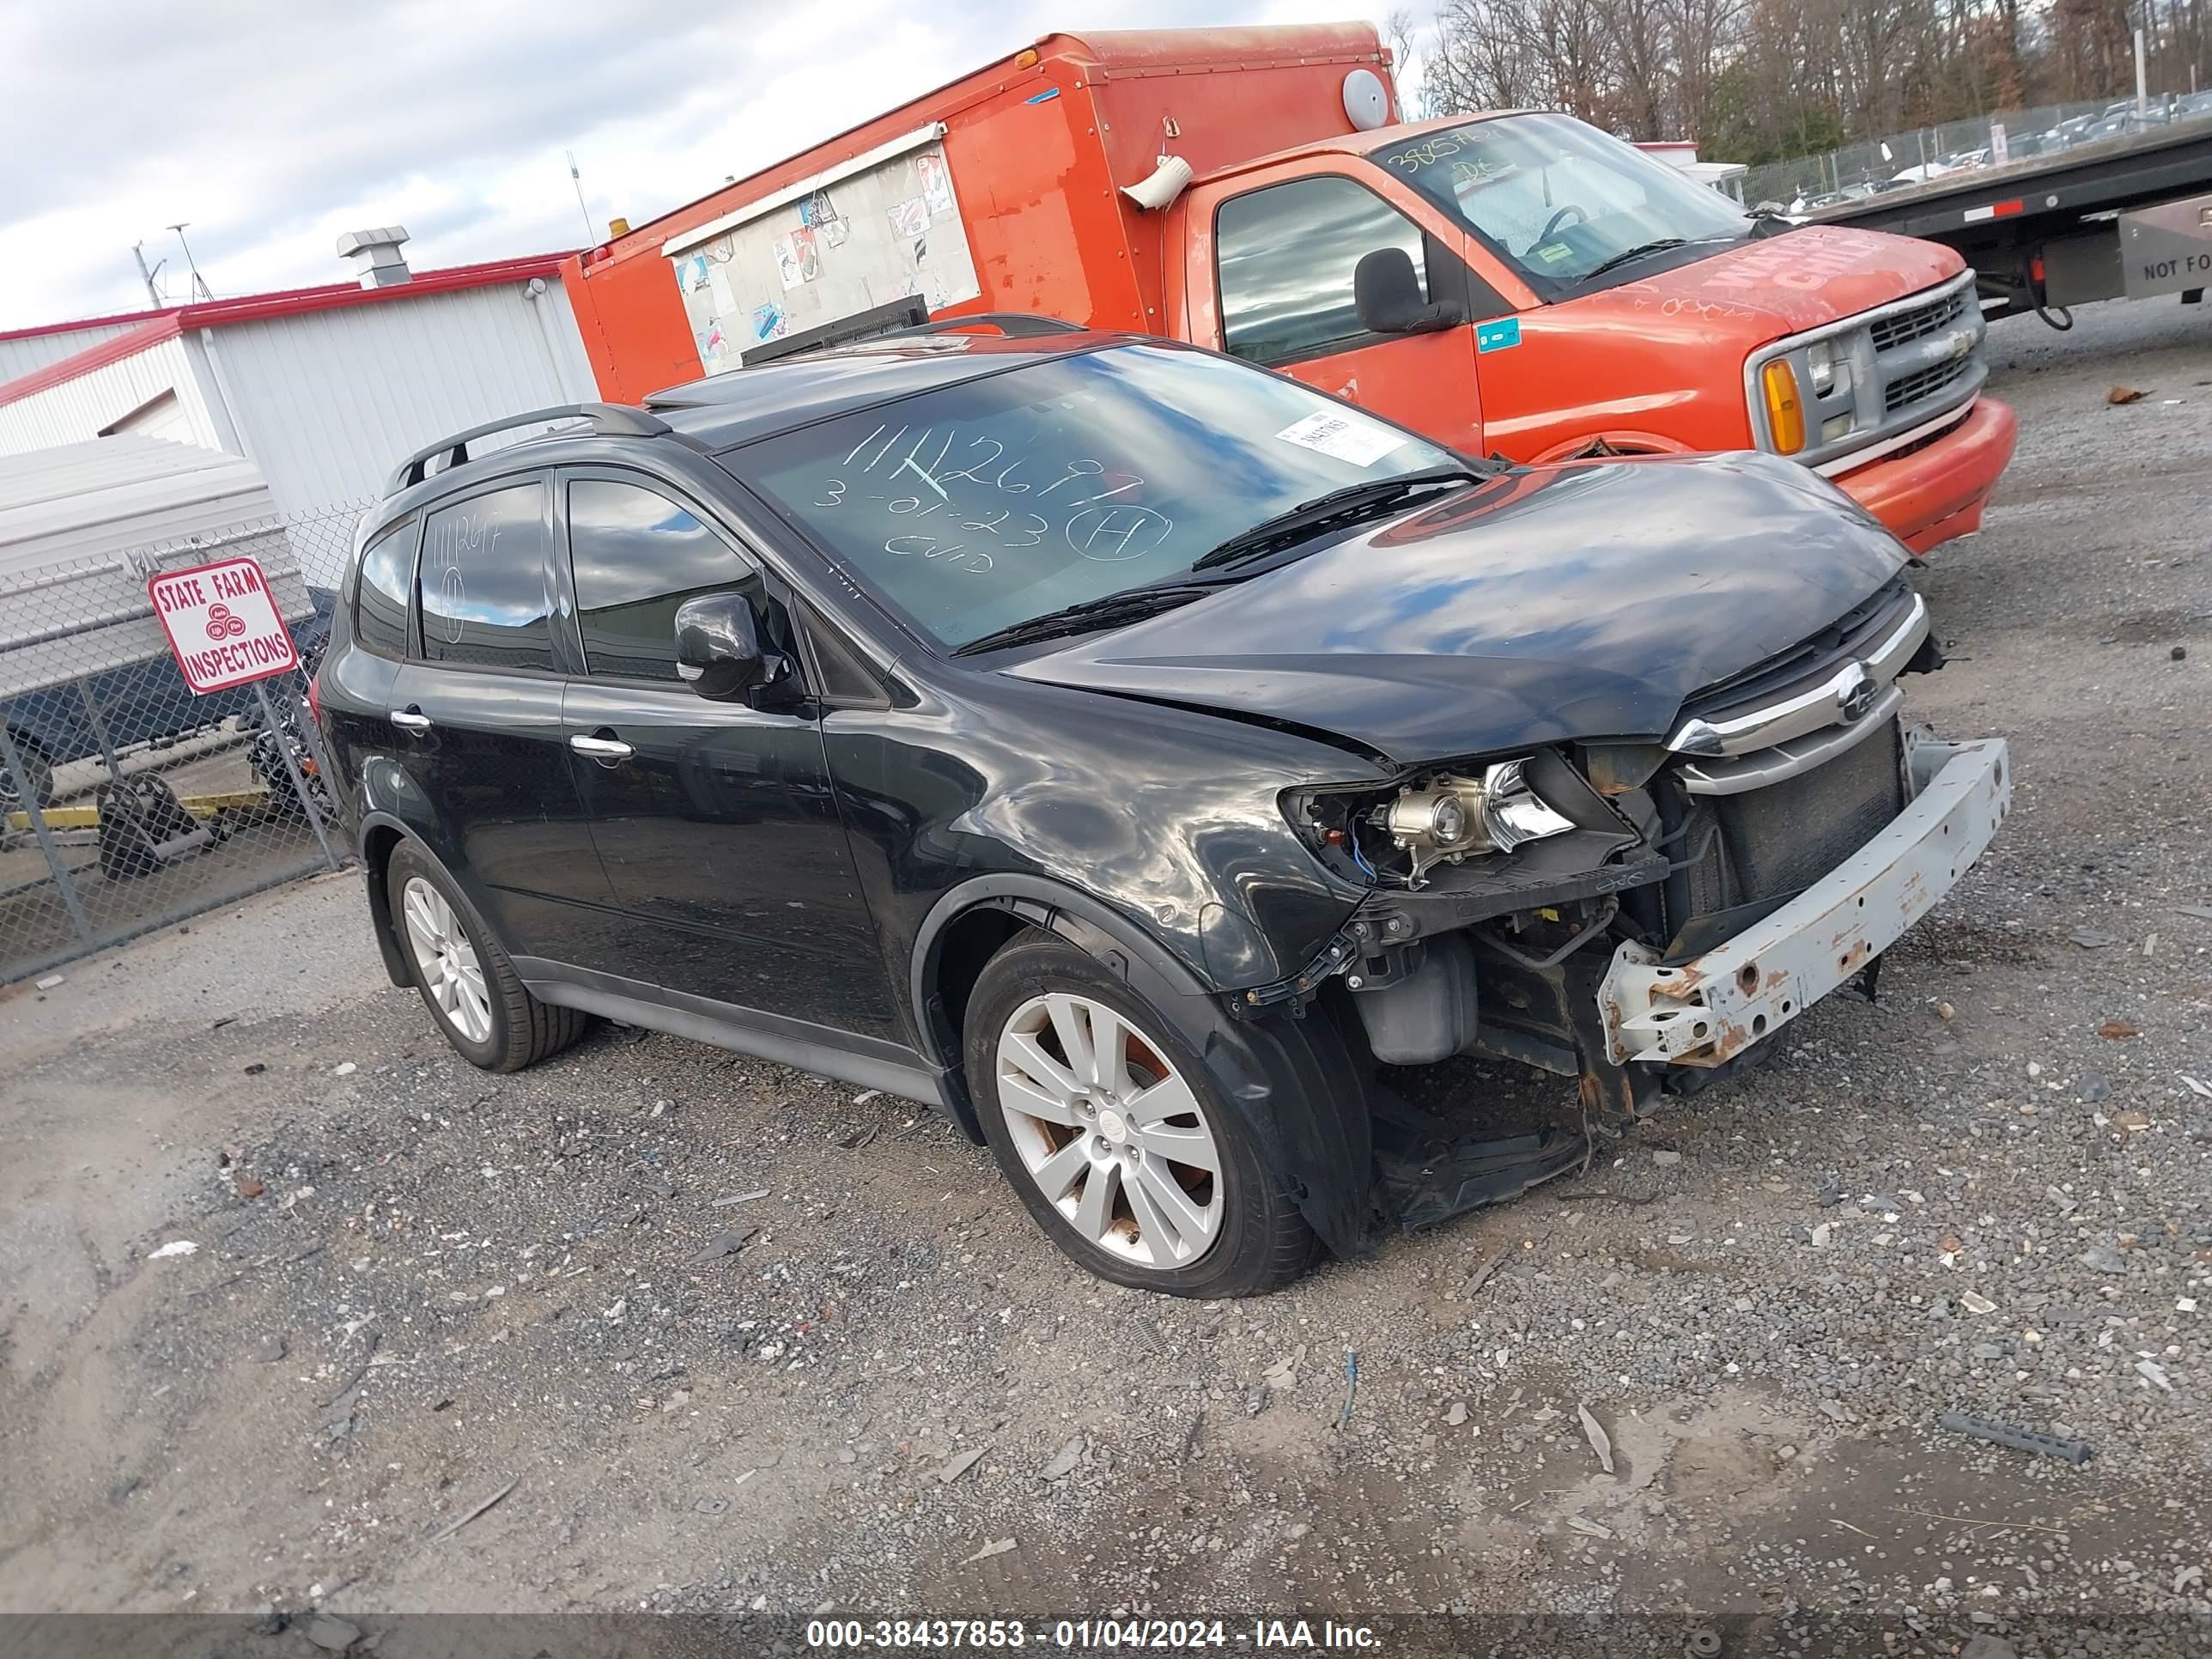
(1309, 519)
(1637, 253)
(1108, 610)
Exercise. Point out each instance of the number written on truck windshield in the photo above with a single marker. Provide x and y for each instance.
(1557, 199)
(1000, 498)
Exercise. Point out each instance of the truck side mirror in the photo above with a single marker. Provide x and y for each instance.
(718, 649)
(1388, 296)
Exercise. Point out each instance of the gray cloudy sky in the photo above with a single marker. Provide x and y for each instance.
(273, 126)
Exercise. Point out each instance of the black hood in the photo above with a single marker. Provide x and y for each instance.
(1548, 604)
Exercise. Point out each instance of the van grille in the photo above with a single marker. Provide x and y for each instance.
(1922, 384)
(1895, 331)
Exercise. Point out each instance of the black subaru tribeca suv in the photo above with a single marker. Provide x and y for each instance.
(1137, 755)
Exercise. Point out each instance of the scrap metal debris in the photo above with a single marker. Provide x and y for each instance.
(1600, 1442)
(462, 1520)
(960, 1465)
(989, 1550)
(1351, 1387)
(2050, 1445)
(1482, 1273)
(725, 1246)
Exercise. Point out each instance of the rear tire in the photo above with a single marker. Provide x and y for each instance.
(1115, 1136)
(41, 779)
(467, 981)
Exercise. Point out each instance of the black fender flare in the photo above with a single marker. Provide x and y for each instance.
(1293, 1081)
(381, 922)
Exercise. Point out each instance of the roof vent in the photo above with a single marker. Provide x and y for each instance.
(375, 255)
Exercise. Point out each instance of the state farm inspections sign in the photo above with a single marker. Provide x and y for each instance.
(222, 624)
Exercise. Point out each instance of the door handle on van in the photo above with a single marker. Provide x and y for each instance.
(601, 748)
(411, 719)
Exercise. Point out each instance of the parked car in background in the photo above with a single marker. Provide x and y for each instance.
(1127, 750)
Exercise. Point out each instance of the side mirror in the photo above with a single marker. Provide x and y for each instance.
(1388, 296)
(718, 649)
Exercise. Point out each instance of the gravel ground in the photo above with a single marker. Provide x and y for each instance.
(733, 1341)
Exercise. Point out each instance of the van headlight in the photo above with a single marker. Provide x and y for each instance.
(1824, 366)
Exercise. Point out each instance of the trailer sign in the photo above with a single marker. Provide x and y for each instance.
(222, 625)
(2167, 249)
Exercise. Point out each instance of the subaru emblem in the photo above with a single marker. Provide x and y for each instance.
(1858, 693)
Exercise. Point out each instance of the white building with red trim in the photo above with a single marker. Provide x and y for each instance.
(323, 389)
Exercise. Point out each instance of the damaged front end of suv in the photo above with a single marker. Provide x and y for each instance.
(1636, 916)
(1690, 802)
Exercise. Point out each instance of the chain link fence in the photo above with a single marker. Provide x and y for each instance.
(1865, 168)
(128, 803)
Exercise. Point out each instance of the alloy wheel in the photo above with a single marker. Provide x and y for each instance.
(1111, 1132)
(447, 959)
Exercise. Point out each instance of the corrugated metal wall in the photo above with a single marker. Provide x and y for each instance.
(80, 409)
(34, 351)
(328, 402)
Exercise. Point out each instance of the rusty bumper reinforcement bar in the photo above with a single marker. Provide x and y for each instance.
(1708, 1010)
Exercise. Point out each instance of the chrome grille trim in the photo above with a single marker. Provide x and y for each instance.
(1790, 757)
(1821, 703)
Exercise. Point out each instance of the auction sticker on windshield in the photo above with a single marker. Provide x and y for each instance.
(222, 625)
(1343, 437)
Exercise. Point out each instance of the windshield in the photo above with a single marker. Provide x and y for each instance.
(1556, 197)
(989, 502)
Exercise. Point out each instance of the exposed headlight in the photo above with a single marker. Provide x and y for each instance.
(1826, 365)
(1449, 817)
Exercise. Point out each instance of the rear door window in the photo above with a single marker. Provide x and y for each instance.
(637, 554)
(485, 580)
(387, 575)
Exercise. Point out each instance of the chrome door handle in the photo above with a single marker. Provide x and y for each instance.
(602, 748)
(410, 720)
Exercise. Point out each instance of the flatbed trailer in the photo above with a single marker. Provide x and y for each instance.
(2129, 216)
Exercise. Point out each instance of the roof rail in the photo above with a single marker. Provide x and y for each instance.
(609, 419)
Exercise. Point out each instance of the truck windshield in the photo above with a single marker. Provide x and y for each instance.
(987, 502)
(1560, 200)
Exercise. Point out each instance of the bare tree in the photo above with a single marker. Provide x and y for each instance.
(1398, 33)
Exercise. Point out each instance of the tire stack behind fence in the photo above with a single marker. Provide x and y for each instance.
(127, 803)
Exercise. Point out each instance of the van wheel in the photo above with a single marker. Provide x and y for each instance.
(40, 778)
(1115, 1137)
(467, 981)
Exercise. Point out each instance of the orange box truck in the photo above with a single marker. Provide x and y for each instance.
(1517, 283)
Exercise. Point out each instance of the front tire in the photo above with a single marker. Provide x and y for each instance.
(1115, 1137)
(466, 979)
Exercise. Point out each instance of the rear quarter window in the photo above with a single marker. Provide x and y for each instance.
(387, 576)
